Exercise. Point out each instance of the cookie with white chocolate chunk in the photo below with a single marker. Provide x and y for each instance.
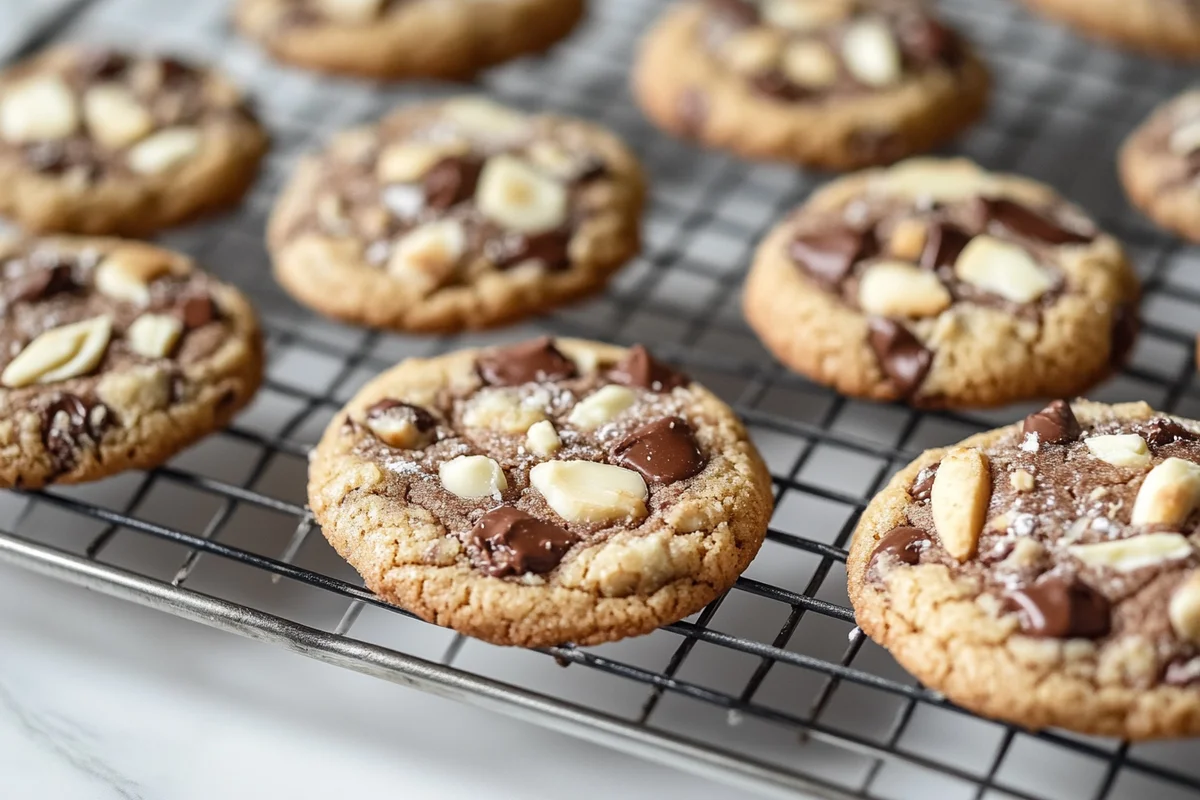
(114, 355)
(940, 284)
(546, 492)
(1046, 573)
(98, 141)
(1160, 165)
(457, 214)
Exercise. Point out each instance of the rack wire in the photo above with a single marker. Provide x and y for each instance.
(771, 688)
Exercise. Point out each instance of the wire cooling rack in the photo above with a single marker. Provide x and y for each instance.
(771, 688)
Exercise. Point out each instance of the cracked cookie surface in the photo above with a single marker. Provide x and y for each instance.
(98, 141)
(547, 492)
(457, 214)
(114, 355)
(838, 84)
(939, 284)
(406, 38)
(1164, 28)
(1160, 165)
(1046, 573)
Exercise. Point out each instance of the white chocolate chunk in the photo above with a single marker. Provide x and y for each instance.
(485, 119)
(586, 491)
(1021, 480)
(1184, 608)
(753, 51)
(803, 15)
(1126, 555)
(1185, 139)
(962, 489)
(154, 335)
(114, 116)
(897, 289)
(399, 430)
(1168, 495)
(1002, 268)
(351, 11)
(504, 410)
(39, 108)
(542, 440)
(602, 406)
(908, 239)
(933, 179)
(1120, 450)
(517, 196)
(164, 150)
(429, 255)
(810, 64)
(60, 353)
(473, 477)
(126, 273)
(407, 162)
(871, 53)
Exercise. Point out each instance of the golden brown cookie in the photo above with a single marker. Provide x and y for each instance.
(457, 214)
(406, 38)
(102, 142)
(940, 284)
(836, 83)
(1046, 573)
(1165, 28)
(547, 492)
(1160, 165)
(116, 356)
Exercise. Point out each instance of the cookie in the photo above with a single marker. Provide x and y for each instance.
(547, 492)
(1160, 165)
(1042, 573)
(838, 84)
(398, 39)
(1164, 28)
(457, 214)
(101, 142)
(939, 284)
(114, 355)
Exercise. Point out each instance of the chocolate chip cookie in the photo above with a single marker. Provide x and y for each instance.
(114, 355)
(406, 38)
(940, 284)
(457, 214)
(1166, 28)
(1046, 573)
(101, 142)
(830, 83)
(551, 491)
(1160, 165)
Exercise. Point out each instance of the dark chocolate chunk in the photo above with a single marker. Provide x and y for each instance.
(775, 85)
(1182, 672)
(507, 541)
(1126, 326)
(926, 42)
(643, 370)
(922, 489)
(1024, 221)
(692, 111)
(1054, 424)
(904, 544)
(943, 246)
(101, 64)
(1060, 608)
(902, 357)
(56, 157)
(550, 248)
(1161, 431)
(421, 418)
(451, 181)
(196, 310)
(535, 360)
(69, 424)
(174, 71)
(663, 451)
(38, 284)
(829, 256)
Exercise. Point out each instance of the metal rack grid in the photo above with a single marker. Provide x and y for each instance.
(771, 687)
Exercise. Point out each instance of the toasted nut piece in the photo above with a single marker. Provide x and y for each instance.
(1126, 555)
(804, 15)
(428, 256)
(1021, 480)
(753, 51)
(60, 353)
(931, 179)
(351, 11)
(154, 335)
(585, 491)
(114, 116)
(1184, 608)
(505, 411)
(135, 392)
(163, 150)
(407, 162)
(1185, 140)
(1002, 268)
(1120, 450)
(396, 430)
(542, 440)
(603, 405)
(1169, 493)
(126, 273)
(896, 289)
(871, 53)
(810, 64)
(517, 196)
(961, 491)
(908, 239)
(487, 120)
(473, 477)
(39, 108)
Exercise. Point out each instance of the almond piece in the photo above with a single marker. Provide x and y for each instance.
(518, 197)
(114, 116)
(962, 489)
(60, 353)
(1184, 608)
(602, 406)
(542, 440)
(586, 491)
(896, 289)
(504, 410)
(164, 150)
(39, 108)
(908, 239)
(1185, 139)
(871, 53)
(1168, 495)
(753, 51)
(154, 335)
(1021, 480)
(1120, 450)
(929, 179)
(126, 273)
(1002, 268)
(484, 119)
(1126, 555)
(428, 256)
(473, 477)
(810, 64)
